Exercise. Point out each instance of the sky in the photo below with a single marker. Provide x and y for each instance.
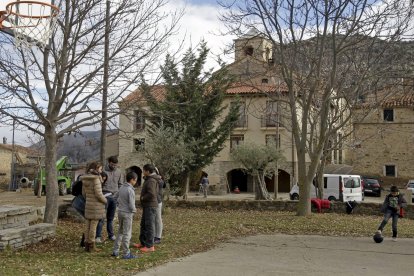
(200, 21)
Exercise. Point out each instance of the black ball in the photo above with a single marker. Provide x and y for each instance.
(378, 238)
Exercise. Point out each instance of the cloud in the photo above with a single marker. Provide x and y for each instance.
(200, 21)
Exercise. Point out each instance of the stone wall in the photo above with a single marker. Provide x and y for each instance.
(276, 205)
(18, 228)
(380, 143)
(21, 237)
(19, 216)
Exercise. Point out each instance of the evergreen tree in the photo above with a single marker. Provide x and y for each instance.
(193, 104)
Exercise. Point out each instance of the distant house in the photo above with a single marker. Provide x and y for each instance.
(26, 162)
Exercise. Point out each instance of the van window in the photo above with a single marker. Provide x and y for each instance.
(325, 182)
(352, 182)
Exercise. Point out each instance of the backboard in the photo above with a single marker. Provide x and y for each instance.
(29, 22)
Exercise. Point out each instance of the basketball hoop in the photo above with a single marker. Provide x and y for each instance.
(32, 22)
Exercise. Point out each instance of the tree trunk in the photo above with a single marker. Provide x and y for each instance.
(276, 182)
(187, 186)
(52, 192)
(304, 205)
(319, 178)
(261, 191)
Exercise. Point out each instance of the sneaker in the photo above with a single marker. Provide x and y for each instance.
(129, 256)
(157, 240)
(394, 239)
(112, 238)
(137, 245)
(98, 240)
(115, 254)
(147, 249)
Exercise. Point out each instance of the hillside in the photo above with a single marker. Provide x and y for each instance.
(79, 147)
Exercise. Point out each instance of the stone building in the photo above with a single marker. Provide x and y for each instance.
(383, 140)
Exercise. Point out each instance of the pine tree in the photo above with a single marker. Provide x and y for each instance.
(193, 104)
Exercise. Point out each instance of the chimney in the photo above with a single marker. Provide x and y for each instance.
(4, 140)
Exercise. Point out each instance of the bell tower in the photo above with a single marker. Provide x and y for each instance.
(253, 44)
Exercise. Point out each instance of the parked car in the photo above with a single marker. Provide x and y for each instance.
(410, 186)
(336, 187)
(371, 186)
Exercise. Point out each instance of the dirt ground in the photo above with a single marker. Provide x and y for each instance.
(26, 197)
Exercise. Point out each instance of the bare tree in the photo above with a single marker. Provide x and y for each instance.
(330, 54)
(57, 90)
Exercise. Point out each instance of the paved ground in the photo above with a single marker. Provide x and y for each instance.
(296, 255)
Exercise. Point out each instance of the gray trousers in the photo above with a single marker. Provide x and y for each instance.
(158, 222)
(124, 232)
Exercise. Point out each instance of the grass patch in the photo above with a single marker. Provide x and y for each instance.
(186, 231)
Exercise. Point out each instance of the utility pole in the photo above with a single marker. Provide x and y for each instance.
(11, 187)
(276, 181)
(105, 84)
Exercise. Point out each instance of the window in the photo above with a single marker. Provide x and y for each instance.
(352, 182)
(236, 140)
(389, 115)
(139, 119)
(242, 121)
(248, 51)
(272, 137)
(265, 80)
(139, 144)
(390, 170)
(271, 117)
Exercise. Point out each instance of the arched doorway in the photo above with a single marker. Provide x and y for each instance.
(138, 171)
(237, 178)
(284, 182)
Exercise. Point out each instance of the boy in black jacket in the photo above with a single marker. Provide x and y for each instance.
(391, 208)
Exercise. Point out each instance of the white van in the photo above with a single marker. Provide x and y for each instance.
(341, 187)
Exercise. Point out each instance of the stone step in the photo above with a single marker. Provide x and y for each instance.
(23, 236)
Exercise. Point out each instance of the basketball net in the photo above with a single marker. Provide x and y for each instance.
(32, 22)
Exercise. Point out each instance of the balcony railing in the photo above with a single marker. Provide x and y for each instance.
(269, 120)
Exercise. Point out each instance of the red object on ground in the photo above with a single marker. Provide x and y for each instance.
(236, 191)
(320, 204)
(402, 213)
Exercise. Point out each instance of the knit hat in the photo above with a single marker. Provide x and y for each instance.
(394, 189)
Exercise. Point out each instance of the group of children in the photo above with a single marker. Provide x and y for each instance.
(95, 209)
(151, 202)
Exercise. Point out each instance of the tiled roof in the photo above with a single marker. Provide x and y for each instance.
(158, 91)
(404, 100)
(242, 88)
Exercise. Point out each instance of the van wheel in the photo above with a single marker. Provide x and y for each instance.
(331, 198)
(295, 197)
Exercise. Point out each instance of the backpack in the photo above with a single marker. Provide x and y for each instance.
(77, 187)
